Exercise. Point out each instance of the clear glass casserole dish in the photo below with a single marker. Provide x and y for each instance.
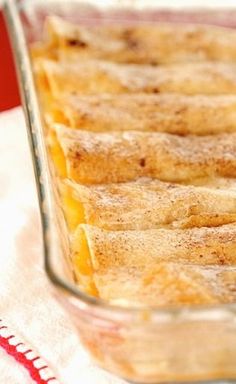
(142, 345)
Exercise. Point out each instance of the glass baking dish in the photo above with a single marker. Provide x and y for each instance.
(143, 345)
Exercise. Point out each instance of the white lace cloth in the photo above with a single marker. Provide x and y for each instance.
(26, 304)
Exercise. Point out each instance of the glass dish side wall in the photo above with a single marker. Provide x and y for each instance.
(175, 349)
(144, 346)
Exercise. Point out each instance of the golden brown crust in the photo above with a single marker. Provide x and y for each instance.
(178, 114)
(201, 246)
(166, 244)
(124, 156)
(117, 255)
(96, 77)
(147, 204)
(143, 43)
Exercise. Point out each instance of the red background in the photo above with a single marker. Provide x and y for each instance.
(9, 94)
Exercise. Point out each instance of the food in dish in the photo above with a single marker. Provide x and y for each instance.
(140, 125)
(145, 204)
(177, 114)
(96, 76)
(148, 43)
(158, 267)
(126, 156)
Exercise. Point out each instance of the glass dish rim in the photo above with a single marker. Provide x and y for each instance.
(38, 152)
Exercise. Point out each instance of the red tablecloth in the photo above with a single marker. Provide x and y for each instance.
(9, 95)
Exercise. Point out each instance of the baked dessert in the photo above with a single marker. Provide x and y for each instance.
(171, 272)
(97, 76)
(129, 155)
(145, 204)
(177, 114)
(140, 125)
(148, 43)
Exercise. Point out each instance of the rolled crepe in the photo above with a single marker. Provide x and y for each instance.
(92, 77)
(146, 204)
(157, 267)
(153, 43)
(97, 158)
(178, 114)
